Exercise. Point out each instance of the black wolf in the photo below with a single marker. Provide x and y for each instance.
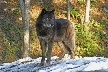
(50, 30)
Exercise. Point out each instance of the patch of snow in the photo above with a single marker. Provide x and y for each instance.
(65, 65)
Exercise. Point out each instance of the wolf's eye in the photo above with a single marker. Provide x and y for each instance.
(52, 18)
(46, 18)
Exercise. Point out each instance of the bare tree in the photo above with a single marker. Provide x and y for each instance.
(25, 9)
(87, 11)
(68, 9)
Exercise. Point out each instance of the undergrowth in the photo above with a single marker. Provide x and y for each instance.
(89, 39)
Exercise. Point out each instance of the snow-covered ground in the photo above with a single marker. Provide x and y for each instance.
(28, 64)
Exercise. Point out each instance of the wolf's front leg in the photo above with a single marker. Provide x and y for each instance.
(50, 44)
(43, 48)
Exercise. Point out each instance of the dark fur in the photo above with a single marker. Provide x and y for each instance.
(50, 30)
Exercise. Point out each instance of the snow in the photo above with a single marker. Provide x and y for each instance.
(65, 65)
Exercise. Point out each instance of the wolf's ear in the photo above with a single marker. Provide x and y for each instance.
(53, 10)
(43, 11)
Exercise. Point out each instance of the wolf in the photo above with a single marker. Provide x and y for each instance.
(50, 30)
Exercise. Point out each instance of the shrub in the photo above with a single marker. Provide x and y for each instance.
(89, 39)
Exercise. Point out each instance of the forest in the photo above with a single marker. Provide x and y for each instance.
(91, 38)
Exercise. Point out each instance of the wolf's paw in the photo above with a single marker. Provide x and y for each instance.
(47, 64)
(58, 59)
(72, 57)
(43, 64)
(40, 64)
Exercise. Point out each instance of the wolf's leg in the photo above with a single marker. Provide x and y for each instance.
(50, 44)
(69, 48)
(61, 45)
(72, 46)
(70, 43)
(43, 48)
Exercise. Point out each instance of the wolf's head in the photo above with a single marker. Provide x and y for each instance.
(47, 18)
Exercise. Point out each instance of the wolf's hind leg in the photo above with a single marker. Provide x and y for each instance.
(72, 45)
(64, 50)
(69, 47)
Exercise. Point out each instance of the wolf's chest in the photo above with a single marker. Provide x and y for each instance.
(45, 31)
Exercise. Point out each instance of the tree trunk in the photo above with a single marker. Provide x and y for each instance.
(87, 11)
(22, 9)
(68, 9)
(25, 9)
